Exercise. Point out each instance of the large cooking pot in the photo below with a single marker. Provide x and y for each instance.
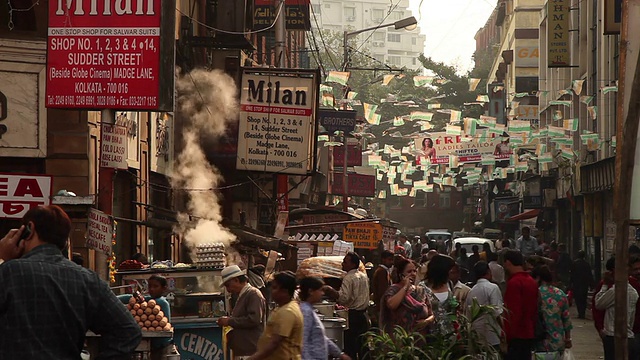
(334, 329)
(325, 308)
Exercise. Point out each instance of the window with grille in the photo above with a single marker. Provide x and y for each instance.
(395, 60)
(350, 12)
(444, 200)
(393, 37)
(377, 14)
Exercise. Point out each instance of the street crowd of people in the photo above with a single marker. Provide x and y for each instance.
(524, 286)
(528, 284)
(47, 303)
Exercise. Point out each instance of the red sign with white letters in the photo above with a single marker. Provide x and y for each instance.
(103, 54)
(20, 193)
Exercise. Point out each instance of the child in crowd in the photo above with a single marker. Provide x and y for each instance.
(157, 286)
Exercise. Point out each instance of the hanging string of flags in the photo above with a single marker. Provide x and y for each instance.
(467, 148)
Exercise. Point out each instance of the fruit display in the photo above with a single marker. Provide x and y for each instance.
(148, 315)
(210, 255)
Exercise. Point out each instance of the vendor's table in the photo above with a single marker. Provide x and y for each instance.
(144, 348)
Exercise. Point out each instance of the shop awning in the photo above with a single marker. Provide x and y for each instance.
(529, 214)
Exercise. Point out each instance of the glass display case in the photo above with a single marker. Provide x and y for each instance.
(197, 299)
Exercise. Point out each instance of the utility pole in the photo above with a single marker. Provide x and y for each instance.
(626, 136)
(345, 141)
(106, 177)
(281, 32)
(280, 62)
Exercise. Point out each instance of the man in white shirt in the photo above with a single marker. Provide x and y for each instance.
(605, 300)
(408, 248)
(486, 293)
(497, 274)
(459, 290)
(526, 243)
(354, 295)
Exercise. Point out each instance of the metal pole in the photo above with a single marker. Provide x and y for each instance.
(345, 52)
(280, 47)
(626, 135)
(345, 175)
(106, 177)
(280, 29)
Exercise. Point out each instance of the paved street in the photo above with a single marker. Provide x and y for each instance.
(586, 342)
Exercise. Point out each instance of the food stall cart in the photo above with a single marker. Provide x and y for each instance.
(333, 317)
(143, 349)
(197, 299)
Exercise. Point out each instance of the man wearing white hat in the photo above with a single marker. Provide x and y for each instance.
(248, 315)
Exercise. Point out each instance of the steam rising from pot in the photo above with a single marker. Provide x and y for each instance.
(206, 103)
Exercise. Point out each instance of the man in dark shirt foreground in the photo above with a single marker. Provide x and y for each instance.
(47, 303)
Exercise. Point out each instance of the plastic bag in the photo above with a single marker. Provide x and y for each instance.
(568, 355)
(551, 355)
(323, 267)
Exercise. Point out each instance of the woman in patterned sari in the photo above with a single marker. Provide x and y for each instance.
(554, 306)
(403, 304)
(439, 295)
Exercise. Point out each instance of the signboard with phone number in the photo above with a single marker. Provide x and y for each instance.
(103, 54)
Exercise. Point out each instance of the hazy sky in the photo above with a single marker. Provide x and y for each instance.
(450, 26)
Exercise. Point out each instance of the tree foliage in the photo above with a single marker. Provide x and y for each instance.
(400, 97)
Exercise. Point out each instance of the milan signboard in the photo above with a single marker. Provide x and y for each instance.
(277, 127)
(111, 54)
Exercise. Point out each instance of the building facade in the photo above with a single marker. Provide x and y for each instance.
(396, 48)
(65, 144)
(564, 56)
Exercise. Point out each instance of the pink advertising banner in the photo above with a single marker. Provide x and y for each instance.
(439, 146)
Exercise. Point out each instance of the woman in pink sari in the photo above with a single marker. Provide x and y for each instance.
(404, 304)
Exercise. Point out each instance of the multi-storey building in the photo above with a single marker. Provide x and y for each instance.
(579, 87)
(65, 144)
(396, 48)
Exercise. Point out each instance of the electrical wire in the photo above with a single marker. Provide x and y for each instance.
(392, 7)
(326, 48)
(10, 24)
(315, 52)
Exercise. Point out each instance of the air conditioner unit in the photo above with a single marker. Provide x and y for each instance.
(378, 43)
(351, 18)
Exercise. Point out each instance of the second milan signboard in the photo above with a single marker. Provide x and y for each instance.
(111, 54)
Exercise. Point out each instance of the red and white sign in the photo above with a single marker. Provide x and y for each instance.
(113, 150)
(283, 193)
(103, 54)
(354, 156)
(20, 193)
(100, 231)
(359, 185)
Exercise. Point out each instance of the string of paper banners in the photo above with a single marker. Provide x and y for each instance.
(465, 142)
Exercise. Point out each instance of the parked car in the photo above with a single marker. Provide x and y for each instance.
(440, 240)
(468, 242)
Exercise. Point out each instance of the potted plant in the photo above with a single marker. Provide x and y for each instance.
(464, 344)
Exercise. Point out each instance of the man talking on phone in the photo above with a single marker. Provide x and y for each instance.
(47, 302)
